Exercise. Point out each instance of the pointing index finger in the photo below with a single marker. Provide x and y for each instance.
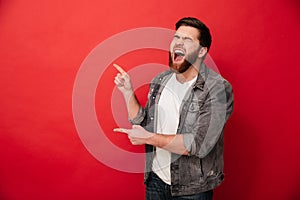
(122, 130)
(122, 71)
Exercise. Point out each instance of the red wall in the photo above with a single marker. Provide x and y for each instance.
(43, 43)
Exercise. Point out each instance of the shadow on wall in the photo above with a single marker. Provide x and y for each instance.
(241, 160)
(295, 192)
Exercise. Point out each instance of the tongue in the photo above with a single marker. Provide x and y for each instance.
(178, 58)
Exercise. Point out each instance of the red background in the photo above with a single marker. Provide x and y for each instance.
(43, 43)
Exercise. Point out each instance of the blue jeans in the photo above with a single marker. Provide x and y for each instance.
(156, 189)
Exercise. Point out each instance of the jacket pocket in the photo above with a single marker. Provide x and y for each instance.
(195, 106)
(190, 170)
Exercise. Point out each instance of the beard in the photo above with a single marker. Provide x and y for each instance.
(188, 61)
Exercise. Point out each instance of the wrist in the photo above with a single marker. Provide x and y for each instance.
(150, 139)
(128, 93)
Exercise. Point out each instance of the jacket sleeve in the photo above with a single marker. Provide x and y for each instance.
(139, 118)
(211, 119)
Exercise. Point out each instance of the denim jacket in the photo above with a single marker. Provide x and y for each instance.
(203, 113)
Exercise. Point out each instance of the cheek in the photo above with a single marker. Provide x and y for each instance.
(192, 49)
(171, 46)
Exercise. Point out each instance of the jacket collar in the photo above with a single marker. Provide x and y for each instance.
(202, 75)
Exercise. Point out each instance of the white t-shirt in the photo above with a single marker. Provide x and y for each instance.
(167, 122)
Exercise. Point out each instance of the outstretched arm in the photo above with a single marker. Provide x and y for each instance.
(139, 136)
(123, 83)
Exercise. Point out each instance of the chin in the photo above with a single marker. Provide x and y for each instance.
(180, 67)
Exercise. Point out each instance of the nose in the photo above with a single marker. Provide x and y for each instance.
(179, 41)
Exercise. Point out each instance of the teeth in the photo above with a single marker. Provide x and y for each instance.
(179, 52)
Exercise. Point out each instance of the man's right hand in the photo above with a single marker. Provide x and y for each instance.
(122, 81)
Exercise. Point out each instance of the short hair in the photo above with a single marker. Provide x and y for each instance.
(204, 33)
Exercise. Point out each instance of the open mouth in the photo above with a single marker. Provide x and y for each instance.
(178, 55)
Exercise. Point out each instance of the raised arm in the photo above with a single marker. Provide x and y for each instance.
(123, 83)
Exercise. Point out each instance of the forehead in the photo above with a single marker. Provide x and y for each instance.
(188, 31)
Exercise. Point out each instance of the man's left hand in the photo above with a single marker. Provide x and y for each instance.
(137, 135)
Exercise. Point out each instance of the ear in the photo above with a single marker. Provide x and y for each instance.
(202, 52)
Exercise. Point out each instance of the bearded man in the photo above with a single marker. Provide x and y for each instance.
(182, 124)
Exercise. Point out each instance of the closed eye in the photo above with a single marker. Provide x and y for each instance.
(188, 39)
(176, 37)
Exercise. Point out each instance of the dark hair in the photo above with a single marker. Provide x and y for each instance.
(204, 33)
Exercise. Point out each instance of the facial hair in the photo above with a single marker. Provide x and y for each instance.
(189, 60)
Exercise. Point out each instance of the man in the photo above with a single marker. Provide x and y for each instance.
(182, 123)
